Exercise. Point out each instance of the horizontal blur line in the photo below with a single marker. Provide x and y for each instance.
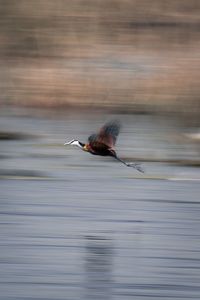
(164, 24)
(16, 177)
(172, 258)
(170, 249)
(42, 245)
(170, 287)
(160, 296)
(181, 267)
(183, 179)
(154, 296)
(169, 201)
(50, 215)
(102, 21)
(65, 284)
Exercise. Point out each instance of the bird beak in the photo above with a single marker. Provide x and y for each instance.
(69, 143)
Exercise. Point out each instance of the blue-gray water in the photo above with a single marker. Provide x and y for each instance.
(75, 226)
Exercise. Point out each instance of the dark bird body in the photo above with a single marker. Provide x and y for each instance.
(97, 148)
(103, 143)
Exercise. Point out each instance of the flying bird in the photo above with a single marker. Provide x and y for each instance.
(103, 142)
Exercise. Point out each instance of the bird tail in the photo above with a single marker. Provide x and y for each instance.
(137, 166)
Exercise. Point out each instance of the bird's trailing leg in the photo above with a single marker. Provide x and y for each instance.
(137, 166)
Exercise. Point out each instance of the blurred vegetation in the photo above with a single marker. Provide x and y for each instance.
(131, 55)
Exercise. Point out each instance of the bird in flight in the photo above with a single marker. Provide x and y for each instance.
(103, 142)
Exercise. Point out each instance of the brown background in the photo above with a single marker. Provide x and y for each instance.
(130, 55)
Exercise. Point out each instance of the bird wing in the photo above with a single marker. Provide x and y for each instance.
(107, 135)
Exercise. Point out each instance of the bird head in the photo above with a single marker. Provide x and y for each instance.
(74, 143)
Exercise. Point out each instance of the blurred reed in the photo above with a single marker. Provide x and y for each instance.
(124, 55)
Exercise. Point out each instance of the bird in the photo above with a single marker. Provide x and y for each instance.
(103, 143)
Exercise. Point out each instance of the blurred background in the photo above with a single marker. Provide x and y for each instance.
(75, 226)
(130, 55)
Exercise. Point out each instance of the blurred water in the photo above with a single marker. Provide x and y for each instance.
(75, 226)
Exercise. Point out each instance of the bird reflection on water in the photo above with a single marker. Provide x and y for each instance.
(98, 268)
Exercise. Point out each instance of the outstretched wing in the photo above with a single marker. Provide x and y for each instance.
(107, 135)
